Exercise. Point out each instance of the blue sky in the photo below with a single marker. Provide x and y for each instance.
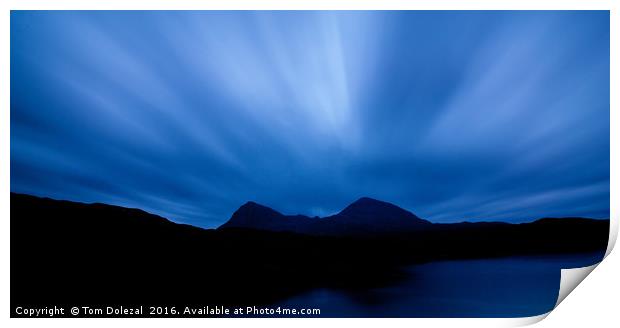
(452, 115)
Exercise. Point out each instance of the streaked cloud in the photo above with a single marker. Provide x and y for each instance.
(452, 115)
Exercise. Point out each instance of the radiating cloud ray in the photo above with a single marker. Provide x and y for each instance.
(453, 115)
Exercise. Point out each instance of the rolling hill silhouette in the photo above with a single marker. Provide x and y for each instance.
(68, 253)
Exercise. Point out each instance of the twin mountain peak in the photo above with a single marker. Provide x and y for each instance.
(365, 215)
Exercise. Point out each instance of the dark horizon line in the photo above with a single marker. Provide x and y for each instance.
(311, 217)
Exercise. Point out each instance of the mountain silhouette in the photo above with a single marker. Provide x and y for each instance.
(67, 253)
(369, 214)
(255, 216)
(362, 217)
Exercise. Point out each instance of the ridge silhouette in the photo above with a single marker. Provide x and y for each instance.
(66, 253)
(363, 217)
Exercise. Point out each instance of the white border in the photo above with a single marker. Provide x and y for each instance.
(603, 295)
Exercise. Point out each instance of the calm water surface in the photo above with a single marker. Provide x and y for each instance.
(502, 287)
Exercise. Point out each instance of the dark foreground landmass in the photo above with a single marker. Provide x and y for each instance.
(67, 254)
